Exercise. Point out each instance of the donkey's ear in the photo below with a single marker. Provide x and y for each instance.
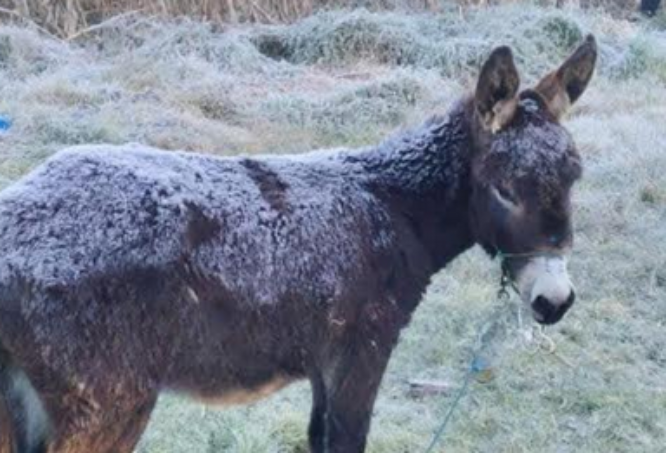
(496, 90)
(563, 87)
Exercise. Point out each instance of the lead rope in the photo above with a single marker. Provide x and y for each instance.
(487, 332)
(537, 335)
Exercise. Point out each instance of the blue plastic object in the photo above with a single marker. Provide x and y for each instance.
(479, 364)
(5, 123)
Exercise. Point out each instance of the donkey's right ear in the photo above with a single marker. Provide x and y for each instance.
(495, 97)
(563, 87)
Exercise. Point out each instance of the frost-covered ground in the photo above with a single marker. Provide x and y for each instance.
(350, 78)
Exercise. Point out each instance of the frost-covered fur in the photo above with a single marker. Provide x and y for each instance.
(125, 271)
(261, 227)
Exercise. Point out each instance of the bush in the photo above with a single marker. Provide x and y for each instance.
(452, 45)
(25, 53)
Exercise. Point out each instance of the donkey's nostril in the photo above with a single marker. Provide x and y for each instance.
(547, 312)
(543, 307)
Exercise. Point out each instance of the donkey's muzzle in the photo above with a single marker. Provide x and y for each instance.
(544, 284)
(550, 312)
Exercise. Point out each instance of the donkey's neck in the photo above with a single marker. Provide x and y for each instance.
(424, 176)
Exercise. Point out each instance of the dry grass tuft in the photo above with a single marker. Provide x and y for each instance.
(67, 18)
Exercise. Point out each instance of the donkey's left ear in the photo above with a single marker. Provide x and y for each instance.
(563, 87)
(495, 96)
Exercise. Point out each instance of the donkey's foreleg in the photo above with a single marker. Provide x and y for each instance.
(344, 396)
(317, 428)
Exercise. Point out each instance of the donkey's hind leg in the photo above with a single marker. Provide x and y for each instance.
(133, 428)
(110, 432)
(24, 424)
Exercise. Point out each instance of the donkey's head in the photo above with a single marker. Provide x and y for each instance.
(524, 166)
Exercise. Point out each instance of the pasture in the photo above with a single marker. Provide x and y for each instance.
(351, 78)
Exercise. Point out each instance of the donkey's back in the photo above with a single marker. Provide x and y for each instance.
(99, 210)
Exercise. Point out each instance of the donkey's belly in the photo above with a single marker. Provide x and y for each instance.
(233, 379)
(232, 355)
(244, 395)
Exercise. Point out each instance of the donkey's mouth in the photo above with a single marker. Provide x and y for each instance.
(541, 319)
(538, 317)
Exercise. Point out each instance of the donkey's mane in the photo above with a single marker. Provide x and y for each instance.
(431, 157)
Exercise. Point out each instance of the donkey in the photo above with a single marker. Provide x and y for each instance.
(126, 271)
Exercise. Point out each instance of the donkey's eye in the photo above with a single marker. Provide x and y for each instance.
(505, 196)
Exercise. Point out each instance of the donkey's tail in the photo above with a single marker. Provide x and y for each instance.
(24, 423)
